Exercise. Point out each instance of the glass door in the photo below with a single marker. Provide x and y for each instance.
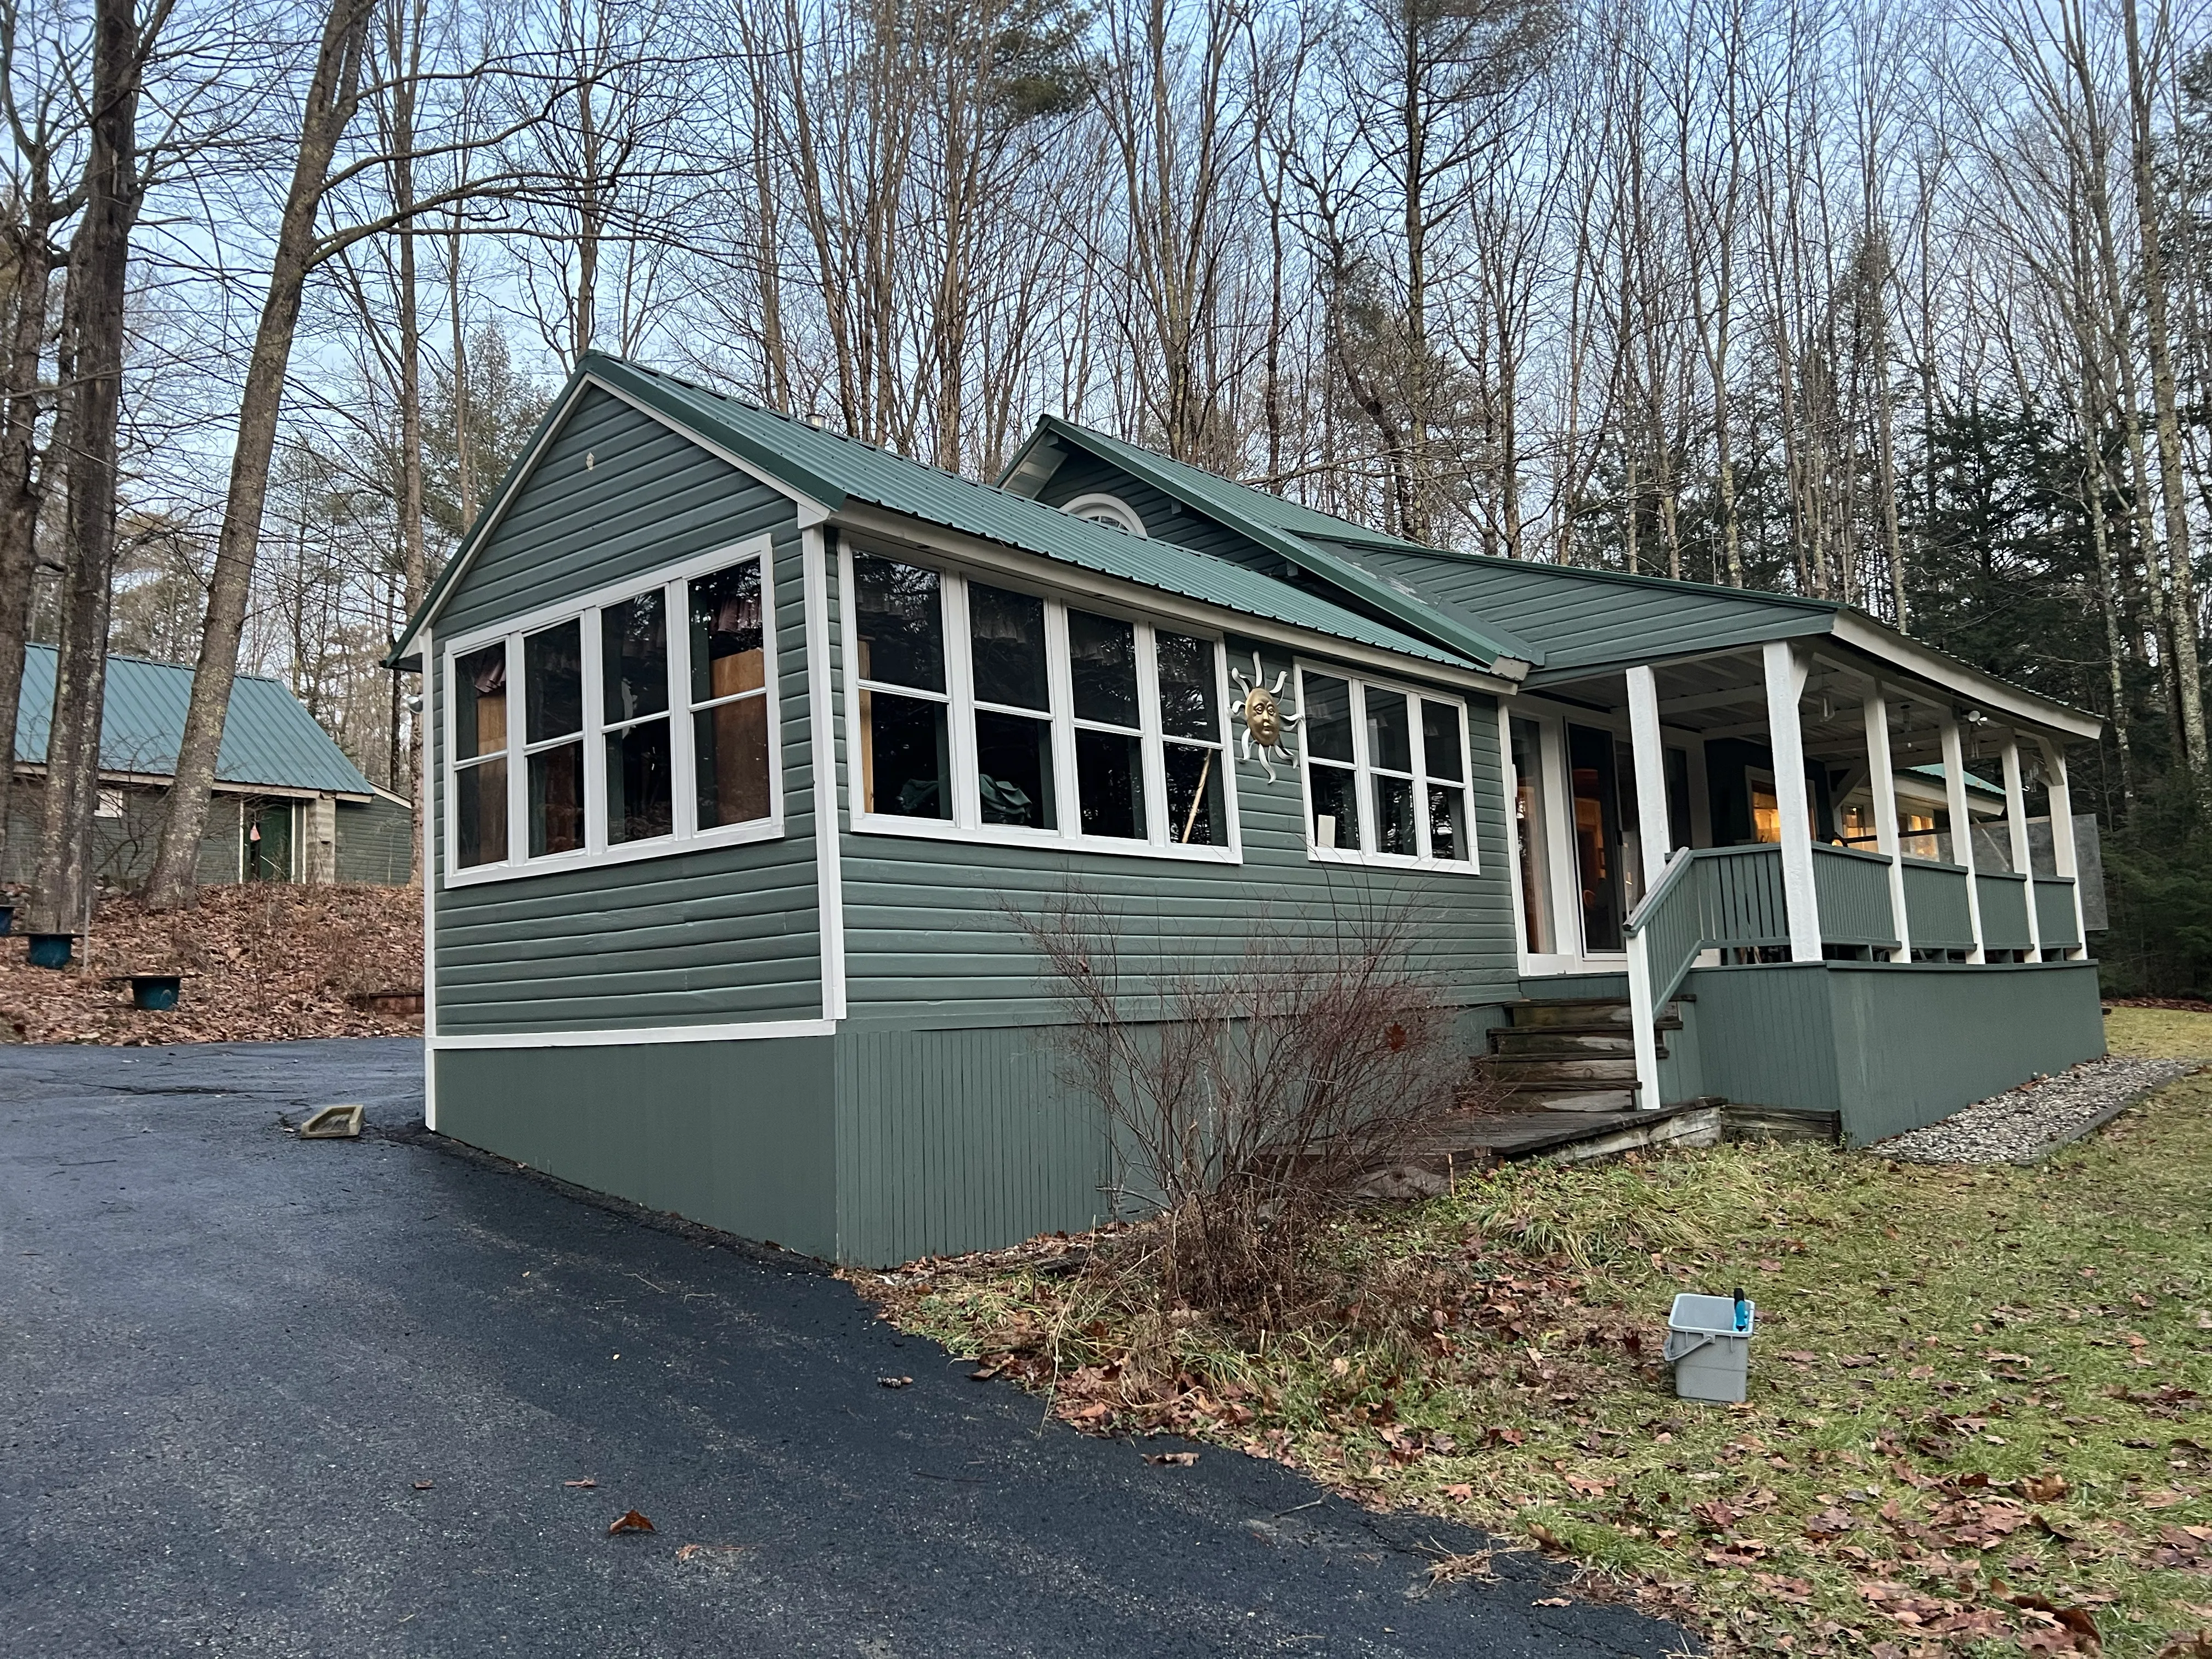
(1599, 853)
(1533, 836)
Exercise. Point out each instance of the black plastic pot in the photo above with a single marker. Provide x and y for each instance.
(51, 950)
(156, 992)
(7, 918)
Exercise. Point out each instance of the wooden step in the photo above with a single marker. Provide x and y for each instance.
(1457, 1147)
(1561, 1068)
(1557, 1099)
(1529, 1014)
(1563, 1040)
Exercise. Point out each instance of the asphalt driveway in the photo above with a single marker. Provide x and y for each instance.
(265, 1396)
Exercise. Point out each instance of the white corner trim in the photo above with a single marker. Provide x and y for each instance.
(829, 871)
(432, 861)
(749, 1030)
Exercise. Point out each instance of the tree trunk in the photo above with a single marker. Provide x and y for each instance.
(23, 490)
(99, 263)
(333, 95)
(405, 45)
(2186, 673)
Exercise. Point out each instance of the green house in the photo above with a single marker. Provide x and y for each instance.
(752, 744)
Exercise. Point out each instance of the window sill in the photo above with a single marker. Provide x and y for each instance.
(738, 834)
(874, 823)
(1391, 860)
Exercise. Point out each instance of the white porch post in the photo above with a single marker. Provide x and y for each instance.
(1652, 830)
(2065, 860)
(1962, 824)
(1882, 784)
(1786, 672)
(2023, 861)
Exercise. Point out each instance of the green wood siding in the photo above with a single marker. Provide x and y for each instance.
(737, 1135)
(930, 941)
(376, 842)
(719, 934)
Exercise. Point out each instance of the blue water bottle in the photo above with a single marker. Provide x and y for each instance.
(1742, 1311)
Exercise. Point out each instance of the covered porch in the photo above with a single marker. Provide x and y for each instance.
(1770, 848)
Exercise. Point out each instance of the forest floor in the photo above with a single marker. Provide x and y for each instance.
(1981, 1410)
(262, 963)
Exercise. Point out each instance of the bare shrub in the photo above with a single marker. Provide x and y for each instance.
(1248, 1102)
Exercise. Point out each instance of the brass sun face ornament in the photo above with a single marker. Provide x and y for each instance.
(1261, 709)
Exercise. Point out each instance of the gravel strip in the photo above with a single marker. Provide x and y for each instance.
(2025, 1122)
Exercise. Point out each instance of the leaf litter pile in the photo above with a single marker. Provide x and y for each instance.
(261, 963)
(1980, 1420)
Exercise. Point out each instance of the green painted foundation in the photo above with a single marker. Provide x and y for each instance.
(872, 1147)
(1891, 1046)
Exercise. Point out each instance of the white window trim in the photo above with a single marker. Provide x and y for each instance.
(584, 610)
(1363, 775)
(959, 697)
(1099, 505)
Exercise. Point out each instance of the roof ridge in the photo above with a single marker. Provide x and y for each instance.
(157, 662)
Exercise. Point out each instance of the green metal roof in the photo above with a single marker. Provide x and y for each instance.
(1567, 621)
(268, 738)
(1310, 540)
(833, 471)
(1579, 619)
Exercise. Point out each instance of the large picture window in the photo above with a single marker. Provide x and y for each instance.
(1387, 774)
(988, 711)
(646, 725)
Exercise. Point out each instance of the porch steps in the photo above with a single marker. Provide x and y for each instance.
(1568, 1054)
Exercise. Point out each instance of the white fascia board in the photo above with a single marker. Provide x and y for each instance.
(882, 525)
(1985, 692)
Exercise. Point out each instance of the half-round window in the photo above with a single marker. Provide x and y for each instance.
(1109, 510)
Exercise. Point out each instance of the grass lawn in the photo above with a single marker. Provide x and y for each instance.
(1981, 1407)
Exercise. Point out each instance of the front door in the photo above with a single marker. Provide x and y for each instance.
(1602, 851)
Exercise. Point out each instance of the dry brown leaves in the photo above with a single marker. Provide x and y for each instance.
(263, 963)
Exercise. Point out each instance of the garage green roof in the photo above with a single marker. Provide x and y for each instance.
(269, 739)
(833, 471)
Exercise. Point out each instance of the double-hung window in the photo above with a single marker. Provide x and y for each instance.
(1387, 773)
(645, 725)
(990, 711)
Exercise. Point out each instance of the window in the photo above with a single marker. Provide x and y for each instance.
(478, 746)
(1109, 510)
(1387, 773)
(1041, 721)
(553, 699)
(635, 737)
(108, 803)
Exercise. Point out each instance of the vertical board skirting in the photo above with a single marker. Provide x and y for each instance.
(1891, 1046)
(956, 1140)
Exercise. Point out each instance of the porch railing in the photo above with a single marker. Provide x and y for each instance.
(1708, 898)
(1853, 890)
(2004, 910)
(1936, 908)
(2054, 913)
